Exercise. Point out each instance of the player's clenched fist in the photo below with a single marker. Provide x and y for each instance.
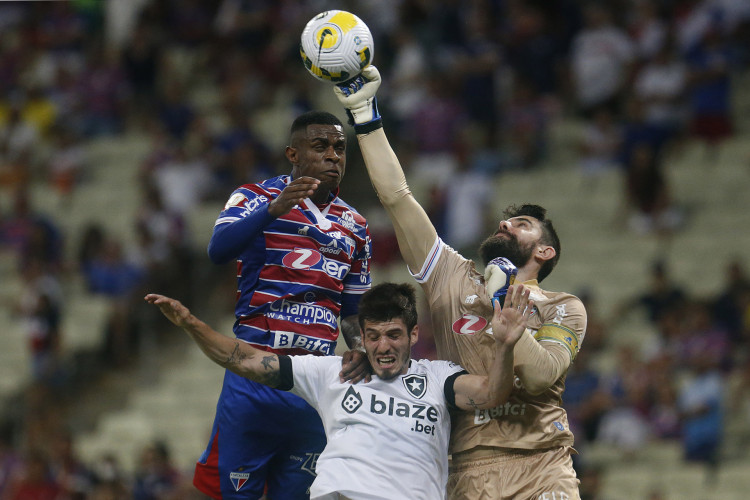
(294, 194)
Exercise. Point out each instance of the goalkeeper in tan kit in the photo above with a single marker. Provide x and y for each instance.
(523, 448)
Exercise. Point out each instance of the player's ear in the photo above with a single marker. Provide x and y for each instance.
(291, 155)
(545, 252)
(414, 335)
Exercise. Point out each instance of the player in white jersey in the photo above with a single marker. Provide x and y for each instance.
(521, 449)
(387, 438)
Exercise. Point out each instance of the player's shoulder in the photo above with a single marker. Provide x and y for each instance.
(436, 366)
(310, 361)
(556, 300)
(274, 184)
(340, 207)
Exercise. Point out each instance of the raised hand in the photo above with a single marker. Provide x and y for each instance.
(171, 308)
(293, 194)
(358, 96)
(509, 323)
(499, 274)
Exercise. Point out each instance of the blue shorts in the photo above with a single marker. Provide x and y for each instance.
(262, 440)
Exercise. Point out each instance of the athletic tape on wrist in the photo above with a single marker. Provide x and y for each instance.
(368, 127)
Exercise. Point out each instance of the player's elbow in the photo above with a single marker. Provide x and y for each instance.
(535, 385)
(392, 197)
(217, 253)
(496, 396)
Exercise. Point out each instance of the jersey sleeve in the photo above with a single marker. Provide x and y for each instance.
(567, 328)
(243, 218)
(358, 279)
(309, 376)
(449, 390)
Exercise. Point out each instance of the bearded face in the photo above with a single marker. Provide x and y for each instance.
(504, 244)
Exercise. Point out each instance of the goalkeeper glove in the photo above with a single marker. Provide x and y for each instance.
(358, 97)
(499, 274)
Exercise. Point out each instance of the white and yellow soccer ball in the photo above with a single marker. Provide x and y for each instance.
(336, 45)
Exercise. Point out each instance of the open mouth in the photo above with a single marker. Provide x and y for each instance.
(386, 361)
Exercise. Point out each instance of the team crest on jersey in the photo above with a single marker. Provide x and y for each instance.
(352, 401)
(469, 324)
(347, 220)
(416, 385)
(238, 479)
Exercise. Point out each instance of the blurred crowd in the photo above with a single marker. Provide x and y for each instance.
(471, 90)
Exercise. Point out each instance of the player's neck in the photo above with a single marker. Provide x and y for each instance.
(526, 274)
(321, 198)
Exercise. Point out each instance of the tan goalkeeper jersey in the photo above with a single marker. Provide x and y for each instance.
(461, 314)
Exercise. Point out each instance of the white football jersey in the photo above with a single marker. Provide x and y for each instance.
(386, 439)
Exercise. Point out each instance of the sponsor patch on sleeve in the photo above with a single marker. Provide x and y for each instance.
(561, 335)
(235, 200)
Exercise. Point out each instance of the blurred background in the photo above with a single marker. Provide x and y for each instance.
(124, 126)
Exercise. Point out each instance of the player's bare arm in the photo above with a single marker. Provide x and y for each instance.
(475, 392)
(413, 227)
(232, 354)
(293, 194)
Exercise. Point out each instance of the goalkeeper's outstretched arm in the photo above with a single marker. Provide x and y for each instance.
(414, 230)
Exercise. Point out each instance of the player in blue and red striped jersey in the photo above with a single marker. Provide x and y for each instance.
(302, 262)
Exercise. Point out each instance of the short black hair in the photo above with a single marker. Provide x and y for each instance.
(314, 118)
(549, 235)
(388, 301)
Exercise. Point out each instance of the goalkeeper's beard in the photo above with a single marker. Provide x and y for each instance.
(508, 247)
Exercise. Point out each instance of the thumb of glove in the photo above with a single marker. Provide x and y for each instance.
(499, 274)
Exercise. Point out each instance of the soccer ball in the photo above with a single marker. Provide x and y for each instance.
(336, 45)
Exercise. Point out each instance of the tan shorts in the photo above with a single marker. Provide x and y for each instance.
(520, 474)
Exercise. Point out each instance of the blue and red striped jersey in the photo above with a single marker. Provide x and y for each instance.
(295, 274)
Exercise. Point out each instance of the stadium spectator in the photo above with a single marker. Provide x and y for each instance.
(662, 295)
(10, 459)
(730, 307)
(700, 402)
(710, 90)
(649, 206)
(40, 305)
(111, 273)
(30, 233)
(74, 477)
(600, 145)
(661, 85)
(601, 56)
(353, 464)
(36, 481)
(156, 478)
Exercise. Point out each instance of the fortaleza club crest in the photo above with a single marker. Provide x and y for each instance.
(239, 479)
(416, 385)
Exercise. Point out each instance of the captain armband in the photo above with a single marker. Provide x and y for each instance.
(561, 335)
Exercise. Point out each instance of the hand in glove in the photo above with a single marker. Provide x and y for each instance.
(499, 274)
(358, 97)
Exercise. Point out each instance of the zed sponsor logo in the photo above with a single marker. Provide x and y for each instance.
(469, 324)
(301, 258)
